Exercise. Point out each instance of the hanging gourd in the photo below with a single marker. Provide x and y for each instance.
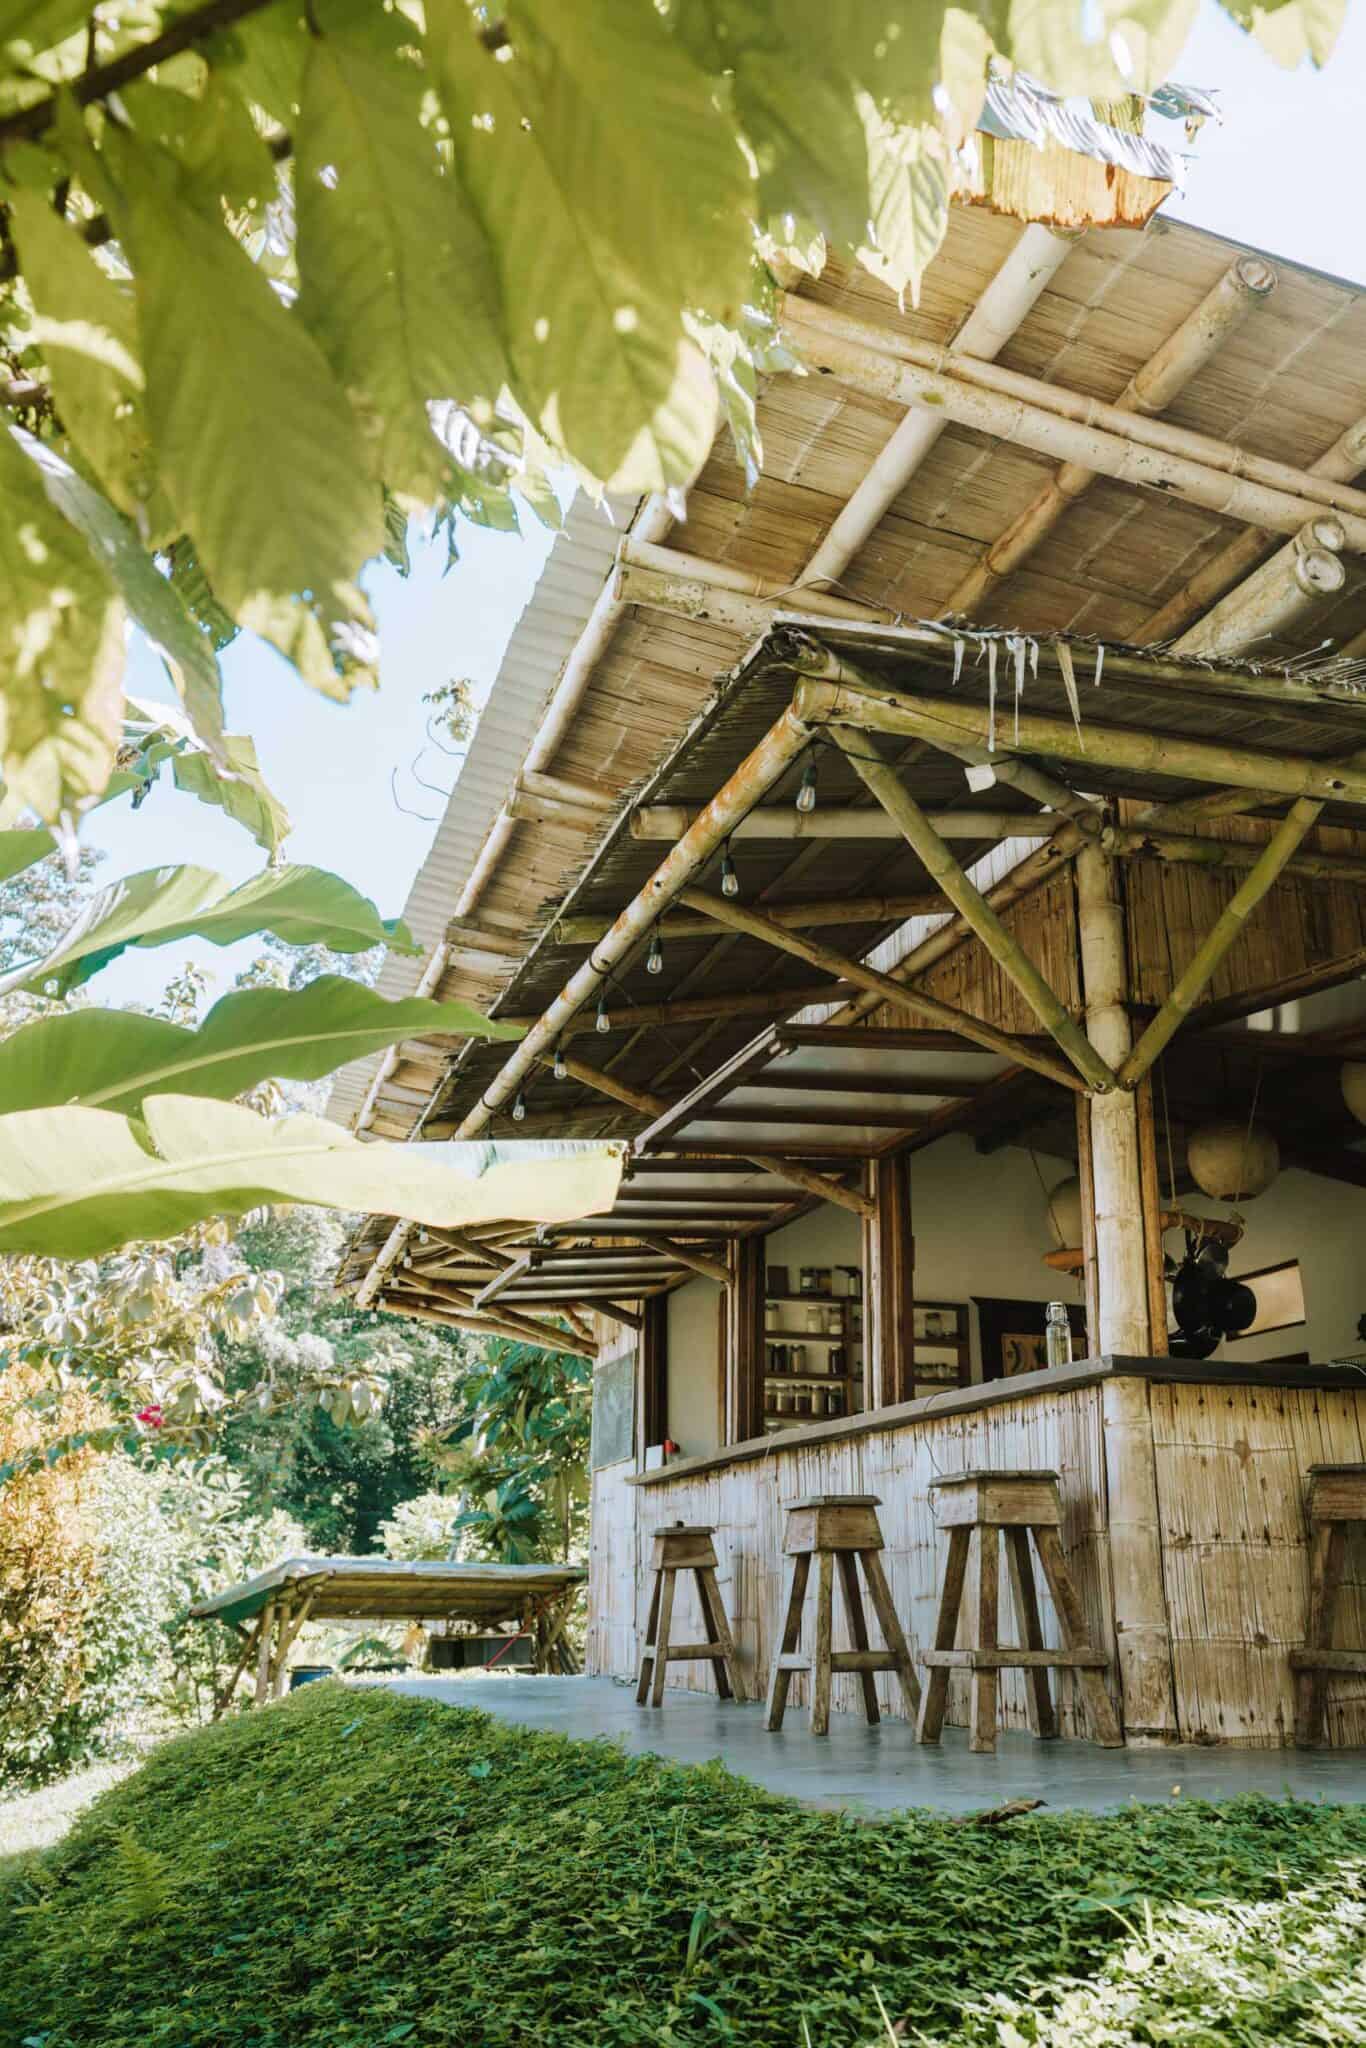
(1353, 1079)
(1232, 1162)
(1064, 1214)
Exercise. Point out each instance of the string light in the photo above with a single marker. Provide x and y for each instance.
(806, 795)
(654, 959)
(730, 881)
(518, 1109)
(602, 1022)
(560, 1070)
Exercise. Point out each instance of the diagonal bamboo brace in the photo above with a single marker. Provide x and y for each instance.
(883, 783)
(741, 918)
(1223, 933)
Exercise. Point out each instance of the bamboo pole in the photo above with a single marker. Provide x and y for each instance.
(1223, 933)
(832, 691)
(779, 1002)
(739, 917)
(250, 1643)
(688, 1255)
(884, 783)
(475, 1326)
(1142, 1630)
(1276, 597)
(1138, 842)
(667, 822)
(1130, 447)
(586, 931)
(1152, 1218)
(1342, 462)
(263, 1652)
(1199, 337)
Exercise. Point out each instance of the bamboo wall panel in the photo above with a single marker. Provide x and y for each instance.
(1300, 924)
(1044, 923)
(1230, 1473)
(745, 1503)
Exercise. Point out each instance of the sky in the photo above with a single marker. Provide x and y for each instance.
(1280, 173)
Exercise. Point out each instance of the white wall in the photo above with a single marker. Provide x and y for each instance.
(981, 1228)
(694, 1367)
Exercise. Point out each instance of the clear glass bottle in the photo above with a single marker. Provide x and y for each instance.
(1058, 1334)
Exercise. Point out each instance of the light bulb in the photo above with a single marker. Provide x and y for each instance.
(654, 959)
(806, 795)
(603, 1021)
(730, 881)
(560, 1070)
(518, 1109)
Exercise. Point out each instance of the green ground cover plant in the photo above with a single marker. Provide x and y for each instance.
(358, 1869)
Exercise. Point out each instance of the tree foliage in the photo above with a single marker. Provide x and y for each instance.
(518, 1456)
(274, 271)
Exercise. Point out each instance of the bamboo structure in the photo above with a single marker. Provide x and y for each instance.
(842, 695)
(1121, 1264)
(1247, 282)
(969, 902)
(1127, 446)
(742, 919)
(1217, 941)
(781, 821)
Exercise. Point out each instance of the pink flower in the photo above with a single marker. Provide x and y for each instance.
(152, 1416)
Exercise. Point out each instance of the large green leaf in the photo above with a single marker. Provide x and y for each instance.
(396, 279)
(613, 196)
(1294, 29)
(75, 1183)
(909, 193)
(303, 906)
(112, 1059)
(61, 649)
(151, 598)
(258, 450)
(241, 791)
(86, 326)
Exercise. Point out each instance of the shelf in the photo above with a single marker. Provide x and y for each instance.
(817, 1379)
(811, 1337)
(840, 1300)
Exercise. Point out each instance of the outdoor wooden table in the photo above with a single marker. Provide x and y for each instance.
(269, 1610)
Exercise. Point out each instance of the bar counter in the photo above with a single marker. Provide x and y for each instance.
(1183, 1521)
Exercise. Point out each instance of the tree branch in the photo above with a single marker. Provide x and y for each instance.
(31, 122)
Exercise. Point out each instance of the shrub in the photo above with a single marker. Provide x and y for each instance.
(354, 1869)
(421, 1527)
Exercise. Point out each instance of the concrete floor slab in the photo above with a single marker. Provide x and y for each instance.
(884, 1770)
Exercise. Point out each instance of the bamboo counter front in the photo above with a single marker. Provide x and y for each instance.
(1183, 1522)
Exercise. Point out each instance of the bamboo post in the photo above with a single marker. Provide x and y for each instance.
(889, 1285)
(884, 783)
(1143, 1634)
(264, 1641)
(1222, 935)
(756, 925)
(1152, 1218)
(250, 1642)
(689, 1255)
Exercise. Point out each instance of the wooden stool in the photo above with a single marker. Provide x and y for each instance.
(1015, 1504)
(837, 1528)
(1335, 1498)
(679, 1549)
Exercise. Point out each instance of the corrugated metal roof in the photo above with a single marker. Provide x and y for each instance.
(538, 646)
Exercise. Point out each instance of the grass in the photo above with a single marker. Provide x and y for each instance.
(355, 1869)
(30, 1821)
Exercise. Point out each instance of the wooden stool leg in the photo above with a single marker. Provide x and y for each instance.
(666, 1614)
(649, 1648)
(858, 1629)
(1025, 1599)
(936, 1695)
(820, 1663)
(893, 1635)
(728, 1681)
(779, 1680)
(1327, 1559)
(982, 1718)
(1105, 1728)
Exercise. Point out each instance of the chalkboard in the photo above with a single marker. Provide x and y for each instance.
(614, 1411)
